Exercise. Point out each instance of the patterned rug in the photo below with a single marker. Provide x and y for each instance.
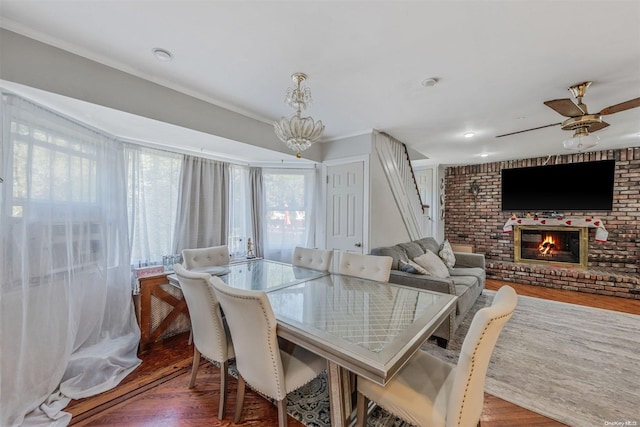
(577, 365)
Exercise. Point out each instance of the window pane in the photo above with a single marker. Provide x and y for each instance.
(153, 177)
(288, 198)
(239, 211)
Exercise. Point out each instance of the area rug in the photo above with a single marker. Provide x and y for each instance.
(577, 365)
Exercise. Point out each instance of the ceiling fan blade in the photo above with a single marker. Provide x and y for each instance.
(527, 130)
(597, 126)
(632, 103)
(565, 107)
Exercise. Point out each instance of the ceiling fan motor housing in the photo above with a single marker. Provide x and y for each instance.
(581, 121)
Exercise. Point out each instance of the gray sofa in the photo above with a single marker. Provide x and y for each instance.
(466, 281)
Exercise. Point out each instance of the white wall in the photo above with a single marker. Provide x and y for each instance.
(386, 224)
(347, 147)
(427, 186)
(35, 64)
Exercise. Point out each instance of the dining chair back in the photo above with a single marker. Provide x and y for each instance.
(259, 360)
(205, 257)
(316, 259)
(430, 392)
(210, 336)
(373, 267)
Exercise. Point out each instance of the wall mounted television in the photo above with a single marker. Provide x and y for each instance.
(586, 186)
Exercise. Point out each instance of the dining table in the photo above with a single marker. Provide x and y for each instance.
(362, 327)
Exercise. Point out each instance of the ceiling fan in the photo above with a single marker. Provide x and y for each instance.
(579, 119)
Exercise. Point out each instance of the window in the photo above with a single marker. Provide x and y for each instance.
(239, 211)
(53, 199)
(153, 179)
(288, 218)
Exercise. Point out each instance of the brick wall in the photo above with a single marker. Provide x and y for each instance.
(614, 266)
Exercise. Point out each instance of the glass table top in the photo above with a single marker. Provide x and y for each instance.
(374, 325)
(371, 328)
(261, 275)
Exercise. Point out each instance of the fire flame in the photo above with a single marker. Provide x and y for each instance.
(547, 246)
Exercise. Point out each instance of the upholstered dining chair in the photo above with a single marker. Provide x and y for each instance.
(373, 267)
(260, 362)
(430, 392)
(211, 338)
(205, 257)
(316, 259)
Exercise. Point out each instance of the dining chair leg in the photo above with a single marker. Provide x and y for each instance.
(282, 412)
(361, 410)
(194, 367)
(239, 399)
(224, 368)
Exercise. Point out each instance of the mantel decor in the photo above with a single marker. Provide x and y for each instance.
(601, 233)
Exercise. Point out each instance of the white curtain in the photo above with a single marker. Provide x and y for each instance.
(153, 177)
(67, 325)
(245, 210)
(239, 211)
(288, 212)
(256, 186)
(202, 218)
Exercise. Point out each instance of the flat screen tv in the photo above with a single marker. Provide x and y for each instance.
(586, 186)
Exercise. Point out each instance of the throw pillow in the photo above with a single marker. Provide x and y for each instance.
(446, 253)
(411, 267)
(433, 264)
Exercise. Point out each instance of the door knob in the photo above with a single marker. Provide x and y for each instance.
(358, 245)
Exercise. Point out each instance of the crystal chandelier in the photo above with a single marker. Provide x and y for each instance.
(581, 140)
(299, 133)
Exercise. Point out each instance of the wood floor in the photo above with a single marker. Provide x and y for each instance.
(156, 393)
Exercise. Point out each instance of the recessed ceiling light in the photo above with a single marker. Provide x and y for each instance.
(430, 82)
(484, 155)
(162, 54)
(468, 134)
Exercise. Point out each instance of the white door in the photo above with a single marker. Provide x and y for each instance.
(345, 208)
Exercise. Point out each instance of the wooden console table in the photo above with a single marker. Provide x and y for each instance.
(154, 323)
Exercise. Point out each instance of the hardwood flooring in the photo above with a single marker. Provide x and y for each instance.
(156, 393)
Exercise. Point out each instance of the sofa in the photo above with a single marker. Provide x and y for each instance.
(466, 278)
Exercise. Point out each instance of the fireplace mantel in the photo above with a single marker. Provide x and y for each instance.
(601, 232)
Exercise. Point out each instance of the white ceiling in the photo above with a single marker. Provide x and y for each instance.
(496, 62)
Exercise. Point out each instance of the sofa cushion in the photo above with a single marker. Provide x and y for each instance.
(468, 271)
(446, 254)
(395, 252)
(466, 287)
(411, 267)
(412, 249)
(433, 264)
(429, 244)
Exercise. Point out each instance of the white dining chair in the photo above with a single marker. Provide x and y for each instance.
(316, 259)
(373, 267)
(430, 392)
(205, 257)
(260, 362)
(211, 338)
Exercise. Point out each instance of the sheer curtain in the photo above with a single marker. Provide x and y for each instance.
(257, 209)
(245, 210)
(67, 325)
(289, 211)
(153, 177)
(202, 218)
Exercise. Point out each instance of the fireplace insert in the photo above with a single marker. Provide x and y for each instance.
(551, 245)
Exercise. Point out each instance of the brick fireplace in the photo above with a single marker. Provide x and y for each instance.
(611, 267)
